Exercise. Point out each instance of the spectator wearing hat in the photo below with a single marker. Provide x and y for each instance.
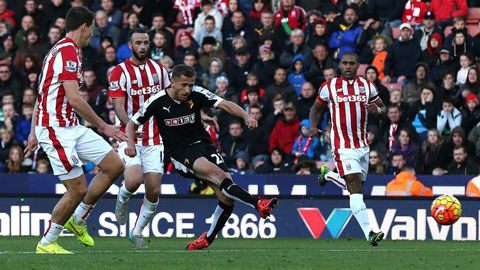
(208, 9)
(239, 70)
(210, 49)
(209, 29)
(413, 89)
(241, 164)
(304, 145)
(267, 26)
(305, 166)
(225, 91)
(277, 163)
(444, 62)
(297, 74)
(187, 45)
(265, 66)
(445, 11)
(285, 131)
(159, 47)
(344, 38)
(6, 13)
(290, 17)
(424, 32)
(391, 10)
(212, 73)
(104, 28)
(298, 47)
(318, 34)
(238, 28)
(373, 28)
(413, 12)
(402, 57)
(458, 137)
(470, 113)
(431, 54)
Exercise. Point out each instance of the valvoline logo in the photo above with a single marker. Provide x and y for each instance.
(316, 224)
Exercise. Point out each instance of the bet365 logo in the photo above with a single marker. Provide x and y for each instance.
(316, 224)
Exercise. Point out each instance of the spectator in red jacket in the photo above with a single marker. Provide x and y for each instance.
(413, 12)
(290, 17)
(445, 10)
(285, 131)
(6, 13)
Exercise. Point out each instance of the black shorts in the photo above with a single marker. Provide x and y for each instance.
(183, 159)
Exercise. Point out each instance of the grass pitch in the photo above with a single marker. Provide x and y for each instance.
(283, 253)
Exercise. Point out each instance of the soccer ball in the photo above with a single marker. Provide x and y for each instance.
(446, 210)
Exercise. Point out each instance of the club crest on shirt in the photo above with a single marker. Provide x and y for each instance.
(362, 89)
(71, 66)
(186, 162)
(190, 104)
(155, 78)
(74, 160)
(114, 85)
(348, 166)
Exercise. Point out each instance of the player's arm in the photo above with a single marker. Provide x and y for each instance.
(314, 117)
(119, 106)
(130, 130)
(32, 137)
(209, 121)
(378, 108)
(87, 113)
(234, 109)
(142, 116)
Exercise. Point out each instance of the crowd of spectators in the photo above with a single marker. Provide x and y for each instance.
(270, 57)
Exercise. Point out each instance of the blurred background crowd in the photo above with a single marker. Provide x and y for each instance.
(271, 57)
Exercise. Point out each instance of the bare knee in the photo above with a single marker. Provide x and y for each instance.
(114, 169)
(77, 192)
(218, 175)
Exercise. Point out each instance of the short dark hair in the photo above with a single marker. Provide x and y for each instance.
(184, 70)
(357, 59)
(460, 147)
(447, 99)
(235, 121)
(7, 92)
(157, 14)
(448, 72)
(398, 154)
(393, 106)
(77, 16)
(210, 17)
(134, 31)
(255, 106)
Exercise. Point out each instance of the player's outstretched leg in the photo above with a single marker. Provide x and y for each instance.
(146, 213)
(77, 224)
(328, 176)
(375, 238)
(48, 244)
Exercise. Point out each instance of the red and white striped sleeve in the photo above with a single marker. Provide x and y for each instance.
(67, 64)
(117, 86)
(323, 96)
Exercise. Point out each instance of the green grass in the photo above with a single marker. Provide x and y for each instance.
(282, 253)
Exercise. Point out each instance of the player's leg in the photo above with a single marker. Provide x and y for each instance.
(76, 190)
(133, 178)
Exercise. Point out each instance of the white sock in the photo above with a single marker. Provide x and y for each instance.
(51, 234)
(218, 211)
(124, 195)
(359, 210)
(147, 211)
(336, 179)
(81, 213)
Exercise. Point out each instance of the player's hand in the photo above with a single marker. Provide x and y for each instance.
(314, 132)
(114, 132)
(130, 150)
(373, 108)
(251, 123)
(32, 145)
(210, 121)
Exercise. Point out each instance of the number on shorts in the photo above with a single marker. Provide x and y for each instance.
(218, 158)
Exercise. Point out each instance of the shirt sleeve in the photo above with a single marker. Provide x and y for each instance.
(166, 78)
(323, 96)
(117, 86)
(146, 111)
(373, 92)
(66, 64)
(207, 98)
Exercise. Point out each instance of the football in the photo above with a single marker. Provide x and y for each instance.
(446, 210)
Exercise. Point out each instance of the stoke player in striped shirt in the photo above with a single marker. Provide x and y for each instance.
(350, 99)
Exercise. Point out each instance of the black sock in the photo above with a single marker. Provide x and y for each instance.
(220, 217)
(234, 192)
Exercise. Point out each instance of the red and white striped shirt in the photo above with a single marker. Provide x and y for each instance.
(348, 101)
(222, 6)
(62, 63)
(186, 7)
(137, 83)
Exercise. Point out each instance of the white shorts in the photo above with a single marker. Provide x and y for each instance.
(350, 161)
(150, 157)
(68, 147)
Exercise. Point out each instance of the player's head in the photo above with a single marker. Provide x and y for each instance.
(349, 64)
(183, 79)
(138, 42)
(81, 20)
